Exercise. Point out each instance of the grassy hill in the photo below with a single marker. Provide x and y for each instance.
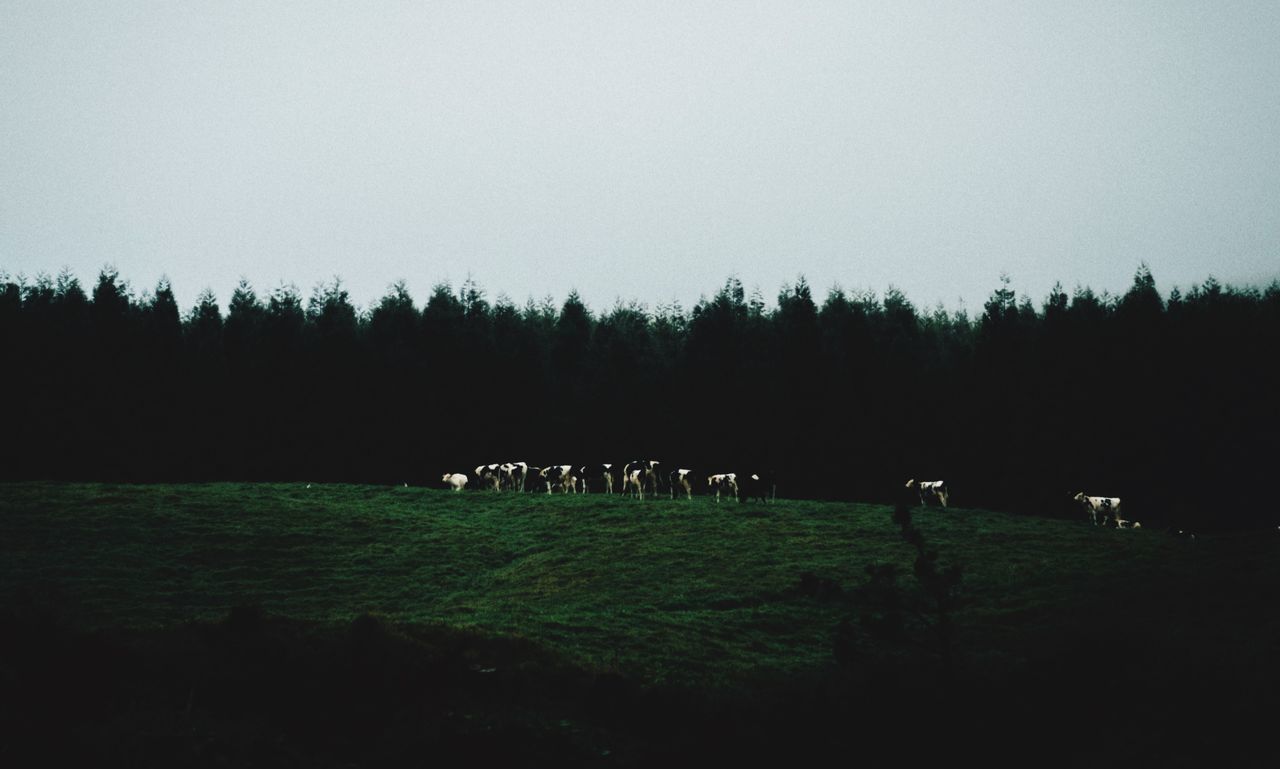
(660, 596)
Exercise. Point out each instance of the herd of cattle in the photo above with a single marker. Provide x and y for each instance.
(637, 478)
(634, 479)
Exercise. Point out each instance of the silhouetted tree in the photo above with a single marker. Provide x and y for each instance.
(1160, 401)
(570, 345)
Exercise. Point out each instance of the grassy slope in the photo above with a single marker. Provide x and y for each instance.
(665, 590)
(667, 632)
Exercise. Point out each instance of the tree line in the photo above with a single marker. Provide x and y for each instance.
(1166, 401)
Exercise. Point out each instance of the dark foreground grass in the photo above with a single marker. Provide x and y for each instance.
(400, 625)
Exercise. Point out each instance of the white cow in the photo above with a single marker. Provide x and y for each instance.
(723, 482)
(1099, 508)
(930, 491)
(456, 481)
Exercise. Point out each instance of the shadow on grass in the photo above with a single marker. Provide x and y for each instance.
(263, 690)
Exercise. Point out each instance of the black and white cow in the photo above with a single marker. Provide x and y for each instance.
(560, 476)
(602, 473)
(682, 479)
(514, 475)
(1099, 508)
(755, 486)
(489, 475)
(930, 491)
(723, 483)
(649, 473)
(633, 482)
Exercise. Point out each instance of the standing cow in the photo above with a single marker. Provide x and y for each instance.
(456, 481)
(514, 475)
(1099, 508)
(930, 491)
(489, 475)
(648, 474)
(723, 483)
(633, 481)
(755, 486)
(682, 479)
(588, 474)
(560, 476)
(533, 479)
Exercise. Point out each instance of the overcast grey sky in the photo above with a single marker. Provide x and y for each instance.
(642, 150)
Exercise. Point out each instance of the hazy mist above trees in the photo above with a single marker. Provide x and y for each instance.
(1164, 400)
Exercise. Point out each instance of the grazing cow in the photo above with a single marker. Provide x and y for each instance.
(634, 480)
(754, 486)
(649, 473)
(602, 473)
(726, 483)
(1099, 508)
(560, 476)
(489, 475)
(514, 474)
(930, 491)
(456, 481)
(682, 479)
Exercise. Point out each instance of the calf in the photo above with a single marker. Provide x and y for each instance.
(726, 483)
(930, 491)
(456, 481)
(1099, 508)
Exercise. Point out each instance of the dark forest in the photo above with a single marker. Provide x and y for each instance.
(1168, 401)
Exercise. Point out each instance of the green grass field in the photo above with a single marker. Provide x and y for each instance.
(683, 593)
(660, 588)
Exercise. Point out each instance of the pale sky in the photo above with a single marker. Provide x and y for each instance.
(643, 150)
